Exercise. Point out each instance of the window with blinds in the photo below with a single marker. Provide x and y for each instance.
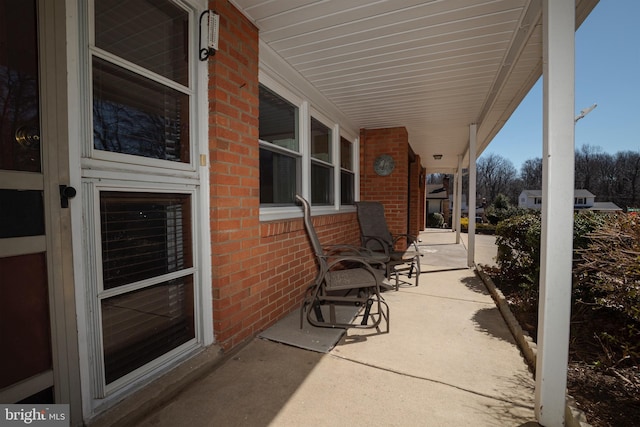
(347, 176)
(321, 164)
(140, 326)
(145, 237)
(135, 115)
(143, 284)
(279, 149)
(141, 96)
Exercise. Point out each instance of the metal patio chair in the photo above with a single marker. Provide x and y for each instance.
(375, 235)
(347, 275)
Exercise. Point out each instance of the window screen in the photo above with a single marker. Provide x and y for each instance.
(144, 235)
(151, 34)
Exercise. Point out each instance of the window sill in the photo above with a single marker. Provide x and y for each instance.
(292, 212)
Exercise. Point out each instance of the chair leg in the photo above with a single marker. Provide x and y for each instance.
(367, 310)
(318, 311)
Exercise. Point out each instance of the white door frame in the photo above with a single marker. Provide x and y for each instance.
(55, 157)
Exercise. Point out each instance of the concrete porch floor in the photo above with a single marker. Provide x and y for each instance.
(449, 360)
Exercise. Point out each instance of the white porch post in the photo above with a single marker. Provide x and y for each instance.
(458, 198)
(454, 198)
(557, 211)
(472, 195)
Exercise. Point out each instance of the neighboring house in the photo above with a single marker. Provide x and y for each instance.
(582, 200)
(437, 196)
(464, 208)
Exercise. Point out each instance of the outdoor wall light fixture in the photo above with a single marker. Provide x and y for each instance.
(437, 156)
(211, 27)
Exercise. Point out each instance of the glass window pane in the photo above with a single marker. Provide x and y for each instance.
(153, 34)
(24, 318)
(21, 213)
(140, 326)
(144, 235)
(346, 154)
(278, 120)
(346, 188)
(321, 184)
(320, 141)
(19, 114)
(135, 115)
(278, 178)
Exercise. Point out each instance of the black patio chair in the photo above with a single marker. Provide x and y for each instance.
(375, 235)
(347, 275)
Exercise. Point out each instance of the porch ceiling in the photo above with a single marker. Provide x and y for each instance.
(432, 66)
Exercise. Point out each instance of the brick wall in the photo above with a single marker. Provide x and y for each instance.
(259, 270)
(416, 197)
(423, 200)
(234, 176)
(390, 190)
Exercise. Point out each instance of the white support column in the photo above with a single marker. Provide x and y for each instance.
(472, 195)
(458, 197)
(557, 211)
(454, 198)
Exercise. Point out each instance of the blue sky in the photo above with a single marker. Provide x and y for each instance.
(607, 73)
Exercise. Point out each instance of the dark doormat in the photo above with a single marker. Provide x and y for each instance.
(322, 340)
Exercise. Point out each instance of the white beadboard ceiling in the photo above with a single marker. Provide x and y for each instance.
(433, 67)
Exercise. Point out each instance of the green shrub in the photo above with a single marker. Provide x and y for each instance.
(502, 209)
(606, 286)
(607, 271)
(481, 228)
(435, 220)
(608, 266)
(518, 241)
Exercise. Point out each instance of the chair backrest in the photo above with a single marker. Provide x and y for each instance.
(308, 224)
(373, 222)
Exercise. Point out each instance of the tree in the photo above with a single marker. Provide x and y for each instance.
(627, 167)
(435, 178)
(495, 175)
(531, 174)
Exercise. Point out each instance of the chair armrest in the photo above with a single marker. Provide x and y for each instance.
(411, 241)
(410, 238)
(366, 262)
(346, 250)
(383, 244)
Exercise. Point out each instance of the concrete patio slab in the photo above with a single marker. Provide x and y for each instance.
(448, 360)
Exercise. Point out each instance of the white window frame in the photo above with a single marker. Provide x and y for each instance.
(334, 161)
(305, 112)
(94, 158)
(103, 171)
(354, 156)
(299, 155)
(92, 190)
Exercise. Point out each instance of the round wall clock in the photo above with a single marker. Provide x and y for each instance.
(384, 165)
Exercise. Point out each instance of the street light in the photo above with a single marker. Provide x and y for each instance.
(585, 112)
